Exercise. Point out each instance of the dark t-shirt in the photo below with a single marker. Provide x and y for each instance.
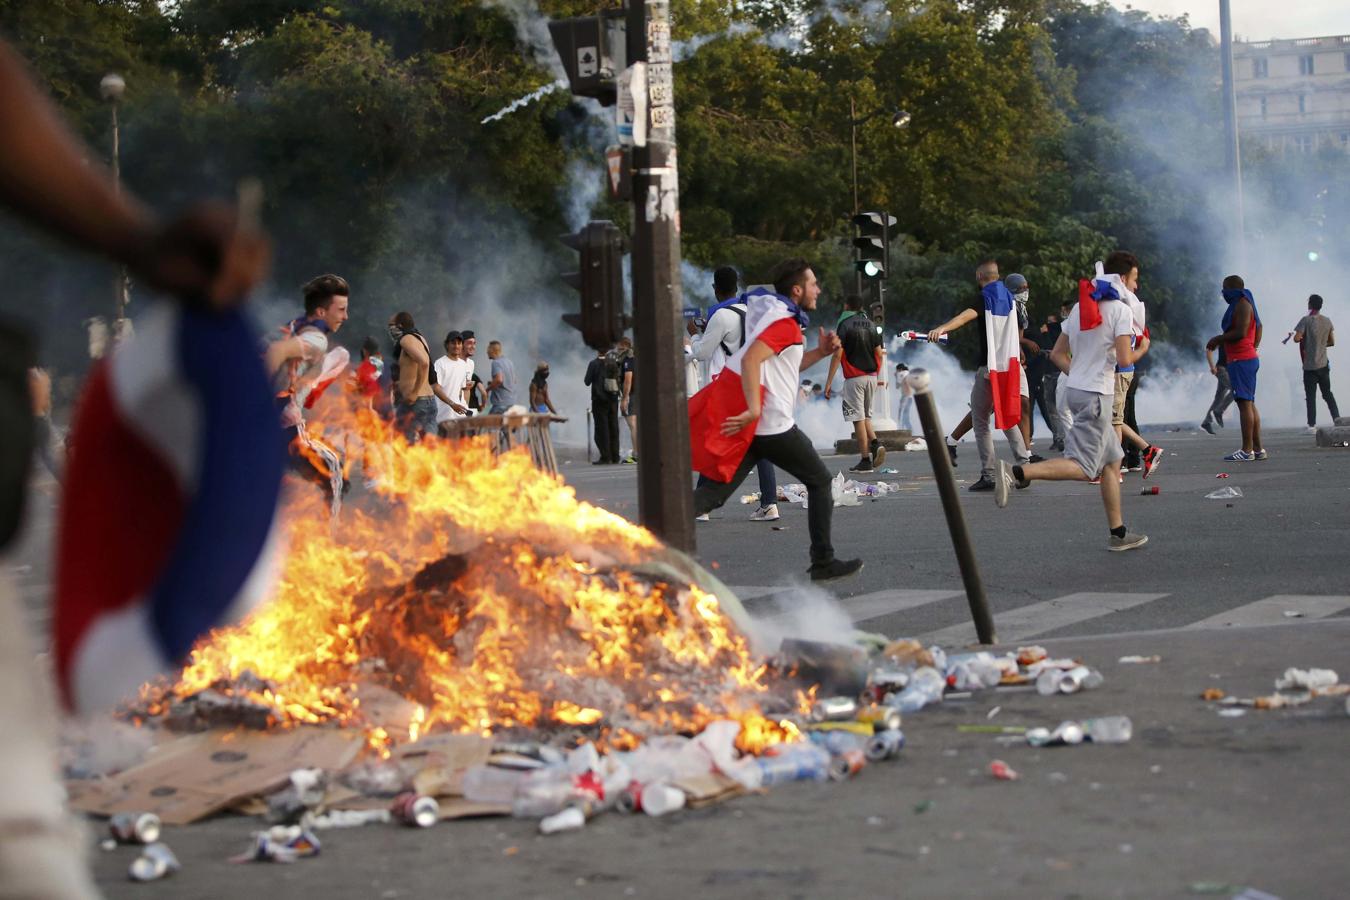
(860, 342)
(977, 326)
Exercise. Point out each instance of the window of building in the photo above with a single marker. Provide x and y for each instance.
(1305, 64)
(1261, 66)
(1263, 107)
(1303, 143)
(1302, 103)
(1345, 140)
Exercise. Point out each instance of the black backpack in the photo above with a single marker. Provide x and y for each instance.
(610, 371)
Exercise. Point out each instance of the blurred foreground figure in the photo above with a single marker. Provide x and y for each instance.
(209, 261)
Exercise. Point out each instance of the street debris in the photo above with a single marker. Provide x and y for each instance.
(1150, 491)
(155, 862)
(1308, 679)
(1293, 614)
(1296, 687)
(1225, 493)
(134, 828)
(1139, 659)
(1002, 771)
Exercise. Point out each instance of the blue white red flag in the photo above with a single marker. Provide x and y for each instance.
(168, 524)
(1005, 368)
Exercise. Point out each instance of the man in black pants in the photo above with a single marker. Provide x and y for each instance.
(773, 357)
(605, 408)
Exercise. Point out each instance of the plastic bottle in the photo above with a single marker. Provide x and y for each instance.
(492, 784)
(794, 762)
(541, 793)
(925, 687)
(1108, 729)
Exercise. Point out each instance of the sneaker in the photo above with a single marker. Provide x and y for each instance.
(1034, 458)
(1057, 446)
(984, 484)
(878, 454)
(703, 518)
(1261, 454)
(766, 514)
(1152, 459)
(1218, 419)
(1003, 479)
(864, 465)
(951, 451)
(630, 460)
(1240, 456)
(1312, 429)
(1128, 542)
(835, 568)
(1097, 480)
(1208, 426)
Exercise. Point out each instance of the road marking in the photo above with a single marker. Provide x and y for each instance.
(1270, 610)
(863, 606)
(751, 591)
(1042, 618)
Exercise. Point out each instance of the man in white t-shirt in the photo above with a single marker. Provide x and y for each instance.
(758, 390)
(452, 374)
(1096, 338)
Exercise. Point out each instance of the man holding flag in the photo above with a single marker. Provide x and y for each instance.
(747, 413)
(998, 383)
(1097, 336)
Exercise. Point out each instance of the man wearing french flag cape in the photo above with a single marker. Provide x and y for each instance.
(1097, 336)
(998, 382)
(747, 413)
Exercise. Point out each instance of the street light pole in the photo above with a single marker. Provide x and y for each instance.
(899, 119)
(112, 87)
(1232, 150)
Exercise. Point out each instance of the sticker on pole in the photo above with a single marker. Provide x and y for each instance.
(588, 61)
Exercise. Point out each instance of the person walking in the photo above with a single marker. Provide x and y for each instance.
(628, 405)
(906, 396)
(602, 377)
(861, 356)
(501, 385)
(1097, 336)
(1003, 401)
(722, 336)
(1223, 389)
(1241, 340)
(748, 412)
(1314, 334)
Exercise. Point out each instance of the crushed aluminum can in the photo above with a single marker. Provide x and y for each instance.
(884, 745)
(156, 861)
(630, 798)
(881, 718)
(1002, 771)
(1047, 682)
(834, 709)
(1077, 679)
(134, 828)
(415, 809)
(847, 764)
(280, 844)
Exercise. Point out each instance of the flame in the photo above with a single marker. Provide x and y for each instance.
(483, 592)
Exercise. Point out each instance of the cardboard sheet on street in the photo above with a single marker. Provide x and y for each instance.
(704, 790)
(190, 779)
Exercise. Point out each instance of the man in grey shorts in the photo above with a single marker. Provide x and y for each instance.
(861, 356)
(1093, 342)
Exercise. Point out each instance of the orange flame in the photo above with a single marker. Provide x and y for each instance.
(484, 592)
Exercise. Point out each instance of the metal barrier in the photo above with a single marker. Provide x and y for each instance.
(524, 429)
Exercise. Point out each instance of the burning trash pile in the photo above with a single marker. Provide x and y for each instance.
(476, 641)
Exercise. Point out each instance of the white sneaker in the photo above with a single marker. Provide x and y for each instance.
(1312, 429)
(703, 518)
(765, 514)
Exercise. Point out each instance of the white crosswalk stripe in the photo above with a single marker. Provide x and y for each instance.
(1042, 618)
(868, 606)
(1271, 610)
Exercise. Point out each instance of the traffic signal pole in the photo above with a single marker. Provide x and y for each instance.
(665, 496)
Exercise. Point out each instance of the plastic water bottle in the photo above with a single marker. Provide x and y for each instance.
(1108, 729)
(925, 687)
(542, 793)
(795, 762)
(491, 784)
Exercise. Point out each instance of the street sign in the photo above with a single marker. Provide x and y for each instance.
(588, 61)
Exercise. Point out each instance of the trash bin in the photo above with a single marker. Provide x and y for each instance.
(524, 429)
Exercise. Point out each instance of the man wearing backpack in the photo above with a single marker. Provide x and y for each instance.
(861, 355)
(721, 338)
(602, 376)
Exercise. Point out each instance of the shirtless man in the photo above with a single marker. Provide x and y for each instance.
(415, 389)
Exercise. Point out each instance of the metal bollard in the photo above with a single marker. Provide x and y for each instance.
(951, 505)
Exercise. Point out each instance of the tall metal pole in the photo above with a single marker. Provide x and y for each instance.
(853, 144)
(665, 495)
(951, 506)
(112, 87)
(1232, 148)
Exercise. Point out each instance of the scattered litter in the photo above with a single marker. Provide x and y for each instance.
(1140, 659)
(1232, 712)
(1252, 893)
(280, 844)
(780, 528)
(156, 861)
(134, 828)
(887, 470)
(1002, 771)
(1058, 778)
(1308, 679)
(916, 444)
(922, 807)
(1227, 492)
(107, 844)
(1222, 475)
(993, 712)
(1293, 614)
(1150, 491)
(1212, 694)
(1212, 887)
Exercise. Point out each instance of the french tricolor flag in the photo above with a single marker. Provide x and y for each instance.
(1005, 369)
(168, 523)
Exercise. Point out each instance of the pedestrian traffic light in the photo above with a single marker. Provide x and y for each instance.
(873, 243)
(600, 281)
(593, 49)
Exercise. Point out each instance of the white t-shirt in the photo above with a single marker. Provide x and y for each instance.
(780, 375)
(1093, 367)
(723, 329)
(451, 375)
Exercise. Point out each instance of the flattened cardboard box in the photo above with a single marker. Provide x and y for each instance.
(190, 779)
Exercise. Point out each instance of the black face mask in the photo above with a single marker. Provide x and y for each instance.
(542, 376)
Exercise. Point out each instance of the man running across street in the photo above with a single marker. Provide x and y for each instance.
(993, 294)
(722, 336)
(1241, 339)
(1096, 337)
(747, 413)
(862, 357)
(1314, 335)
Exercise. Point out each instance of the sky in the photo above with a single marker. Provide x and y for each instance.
(1258, 20)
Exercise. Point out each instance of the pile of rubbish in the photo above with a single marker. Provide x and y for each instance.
(846, 491)
(1295, 687)
(563, 780)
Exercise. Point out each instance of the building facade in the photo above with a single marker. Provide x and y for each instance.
(1294, 95)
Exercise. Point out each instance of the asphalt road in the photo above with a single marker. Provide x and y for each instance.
(1195, 802)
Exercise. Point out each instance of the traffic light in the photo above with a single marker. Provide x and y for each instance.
(593, 49)
(600, 281)
(873, 243)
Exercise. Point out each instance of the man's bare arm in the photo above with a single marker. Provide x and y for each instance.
(964, 317)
